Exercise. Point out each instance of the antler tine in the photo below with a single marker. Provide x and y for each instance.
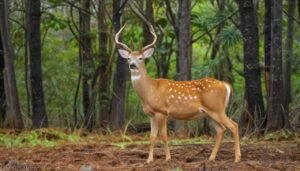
(122, 45)
(154, 40)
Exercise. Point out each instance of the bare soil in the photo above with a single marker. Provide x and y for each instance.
(261, 156)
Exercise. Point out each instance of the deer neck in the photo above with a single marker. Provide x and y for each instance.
(141, 82)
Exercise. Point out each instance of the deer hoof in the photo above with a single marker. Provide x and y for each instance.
(237, 160)
(149, 161)
(211, 158)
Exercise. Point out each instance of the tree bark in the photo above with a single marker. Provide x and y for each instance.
(39, 115)
(184, 51)
(104, 59)
(149, 13)
(184, 39)
(117, 112)
(288, 55)
(276, 113)
(253, 117)
(87, 65)
(216, 44)
(14, 116)
(267, 42)
(2, 90)
(299, 7)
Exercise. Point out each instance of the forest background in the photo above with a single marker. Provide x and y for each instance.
(59, 66)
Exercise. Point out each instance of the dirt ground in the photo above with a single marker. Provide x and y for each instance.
(262, 156)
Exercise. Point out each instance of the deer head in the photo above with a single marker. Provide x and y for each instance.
(135, 58)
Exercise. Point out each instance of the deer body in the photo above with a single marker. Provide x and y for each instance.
(183, 100)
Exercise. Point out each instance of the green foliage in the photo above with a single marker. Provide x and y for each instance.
(230, 36)
(208, 69)
(53, 22)
(280, 135)
(45, 138)
(60, 62)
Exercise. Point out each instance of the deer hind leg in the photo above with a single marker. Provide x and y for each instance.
(236, 137)
(162, 124)
(220, 130)
(227, 122)
(153, 135)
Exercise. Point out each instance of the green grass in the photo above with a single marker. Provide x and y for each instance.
(53, 137)
(42, 137)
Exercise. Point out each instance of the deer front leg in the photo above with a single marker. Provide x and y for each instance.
(162, 124)
(153, 135)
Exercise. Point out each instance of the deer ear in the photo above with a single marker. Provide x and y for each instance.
(123, 53)
(148, 52)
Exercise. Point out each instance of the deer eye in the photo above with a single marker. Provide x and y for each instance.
(140, 58)
(128, 59)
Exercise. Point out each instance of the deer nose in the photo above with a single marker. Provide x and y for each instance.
(132, 66)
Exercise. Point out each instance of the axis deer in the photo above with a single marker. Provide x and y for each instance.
(183, 100)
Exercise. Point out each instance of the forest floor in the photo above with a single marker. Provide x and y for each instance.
(130, 153)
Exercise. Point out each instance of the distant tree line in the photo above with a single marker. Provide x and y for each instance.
(102, 89)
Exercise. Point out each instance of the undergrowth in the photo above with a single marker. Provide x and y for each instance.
(41, 137)
(53, 137)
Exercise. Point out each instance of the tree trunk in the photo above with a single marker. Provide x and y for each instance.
(149, 14)
(299, 7)
(253, 117)
(267, 42)
(14, 116)
(184, 39)
(87, 65)
(288, 55)
(2, 90)
(117, 113)
(39, 115)
(104, 59)
(184, 51)
(276, 113)
(216, 44)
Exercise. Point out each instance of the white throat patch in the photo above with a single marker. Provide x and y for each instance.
(135, 77)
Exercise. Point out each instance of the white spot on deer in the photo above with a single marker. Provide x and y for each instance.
(179, 97)
(170, 90)
(185, 97)
(172, 96)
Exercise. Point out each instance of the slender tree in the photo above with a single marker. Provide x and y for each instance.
(14, 116)
(288, 55)
(39, 115)
(276, 113)
(104, 59)
(267, 43)
(216, 44)
(87, 64)
(184, 39)
(299, 7)
(2, 91)
(117, 113)
(253, 117)
(149, 14)
(184, 51)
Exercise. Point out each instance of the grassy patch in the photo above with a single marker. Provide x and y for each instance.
(41, 137)
(281, 135)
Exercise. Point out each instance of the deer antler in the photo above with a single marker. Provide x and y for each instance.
(120, 44)
(154, 40)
